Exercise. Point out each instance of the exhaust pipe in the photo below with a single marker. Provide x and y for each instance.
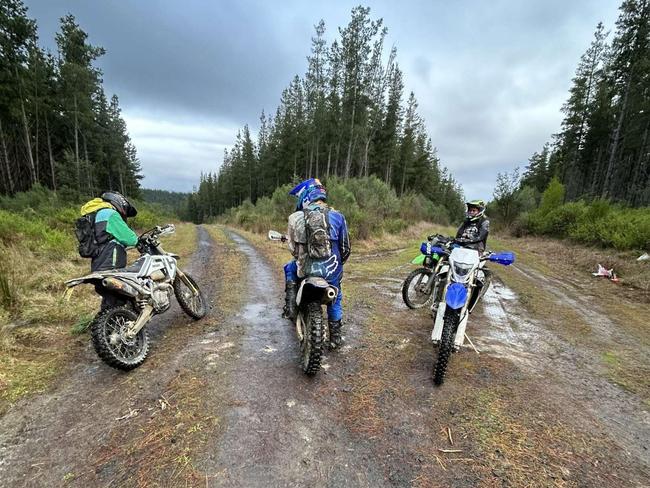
(119, 286)
(331, 293)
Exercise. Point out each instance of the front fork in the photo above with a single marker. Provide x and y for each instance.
(189, 284)
(463, 314)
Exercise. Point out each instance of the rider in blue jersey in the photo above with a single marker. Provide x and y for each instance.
(311, 194)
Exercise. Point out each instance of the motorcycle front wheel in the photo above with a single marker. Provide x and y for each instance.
(191, 300)
(417, 287)
(310, 319)
(108, 332)
(446, 346)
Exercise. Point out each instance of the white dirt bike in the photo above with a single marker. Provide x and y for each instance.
(142, 290)
(459, 285)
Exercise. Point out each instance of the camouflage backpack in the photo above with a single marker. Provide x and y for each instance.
(317, 229)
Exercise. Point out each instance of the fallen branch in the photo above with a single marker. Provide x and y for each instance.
(440, 463)
(451, 440)
(450, 450)
(132, 413)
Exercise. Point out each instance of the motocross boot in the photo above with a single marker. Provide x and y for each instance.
(336, 339)
(290, 308)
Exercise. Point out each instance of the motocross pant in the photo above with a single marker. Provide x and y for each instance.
(334, 309)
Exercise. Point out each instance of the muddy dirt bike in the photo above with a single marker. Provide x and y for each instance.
(143, 289)
(418, 287)
(312, 328)
(458, 286)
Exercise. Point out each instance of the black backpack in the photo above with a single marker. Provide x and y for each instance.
(84, 229)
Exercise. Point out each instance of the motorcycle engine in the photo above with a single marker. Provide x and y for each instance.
(161, 299)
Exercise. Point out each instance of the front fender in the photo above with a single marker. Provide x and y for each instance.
(456, 296)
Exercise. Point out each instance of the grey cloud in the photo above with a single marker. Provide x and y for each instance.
(490, 76)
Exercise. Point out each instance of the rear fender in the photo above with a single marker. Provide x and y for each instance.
(314, 285)
(91, 278)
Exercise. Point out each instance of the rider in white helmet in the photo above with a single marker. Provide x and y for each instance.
(474, 230)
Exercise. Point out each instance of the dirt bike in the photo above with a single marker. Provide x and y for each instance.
(312, 328)
(463, 280)
(142, 290)
(419, 285)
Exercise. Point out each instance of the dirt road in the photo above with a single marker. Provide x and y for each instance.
(221, 402)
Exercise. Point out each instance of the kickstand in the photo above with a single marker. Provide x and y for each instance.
(471, 344)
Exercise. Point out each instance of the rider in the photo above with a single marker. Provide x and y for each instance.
(112, 234)
(311, 194)
(474, 230)
(473, 234)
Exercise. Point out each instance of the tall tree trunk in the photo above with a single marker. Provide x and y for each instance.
(36, 148)
(389, 169)
(295, 163)
(329, 159)
(6, 158)
(366, 163)
(89, 170)
(595, 181)
(617, 135)
(28, 144)
(336, 161)
(49, 151)
(311, 162)
(637, 179)
(317, 151)
(348, 160)
(76, 144)
(403, 186)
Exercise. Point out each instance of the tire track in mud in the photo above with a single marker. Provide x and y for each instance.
(534, 347)
(283, 428)
(52, 437)
(570, 374)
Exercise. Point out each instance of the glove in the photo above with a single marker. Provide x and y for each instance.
(141, 245)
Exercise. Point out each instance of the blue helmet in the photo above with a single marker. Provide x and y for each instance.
(308, 191)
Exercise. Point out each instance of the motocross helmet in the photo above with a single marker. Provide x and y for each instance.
(474, 204)
(121, 204)
(307, 192)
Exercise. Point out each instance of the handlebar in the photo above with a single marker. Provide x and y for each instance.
(150, 237)
(276, 236)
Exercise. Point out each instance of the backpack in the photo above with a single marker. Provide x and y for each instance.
(84, 229)
(317, 229)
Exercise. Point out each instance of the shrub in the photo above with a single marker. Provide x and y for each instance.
(552, 197)
(370, 207)
(598, 223)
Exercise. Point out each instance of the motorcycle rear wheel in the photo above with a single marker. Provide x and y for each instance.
(446, 346)
(411, 289)
(193, 304)
(311, 345)
(111, 344)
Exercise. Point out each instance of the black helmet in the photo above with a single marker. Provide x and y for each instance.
(121, 203)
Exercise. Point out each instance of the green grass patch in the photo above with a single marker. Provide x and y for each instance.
(82, 324)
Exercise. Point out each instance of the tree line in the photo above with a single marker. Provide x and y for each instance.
(345, 118)
(58, 129)
(603, 148)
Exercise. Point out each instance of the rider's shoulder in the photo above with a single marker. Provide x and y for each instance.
(105, 214)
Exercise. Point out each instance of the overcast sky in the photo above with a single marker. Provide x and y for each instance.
(490, 76)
